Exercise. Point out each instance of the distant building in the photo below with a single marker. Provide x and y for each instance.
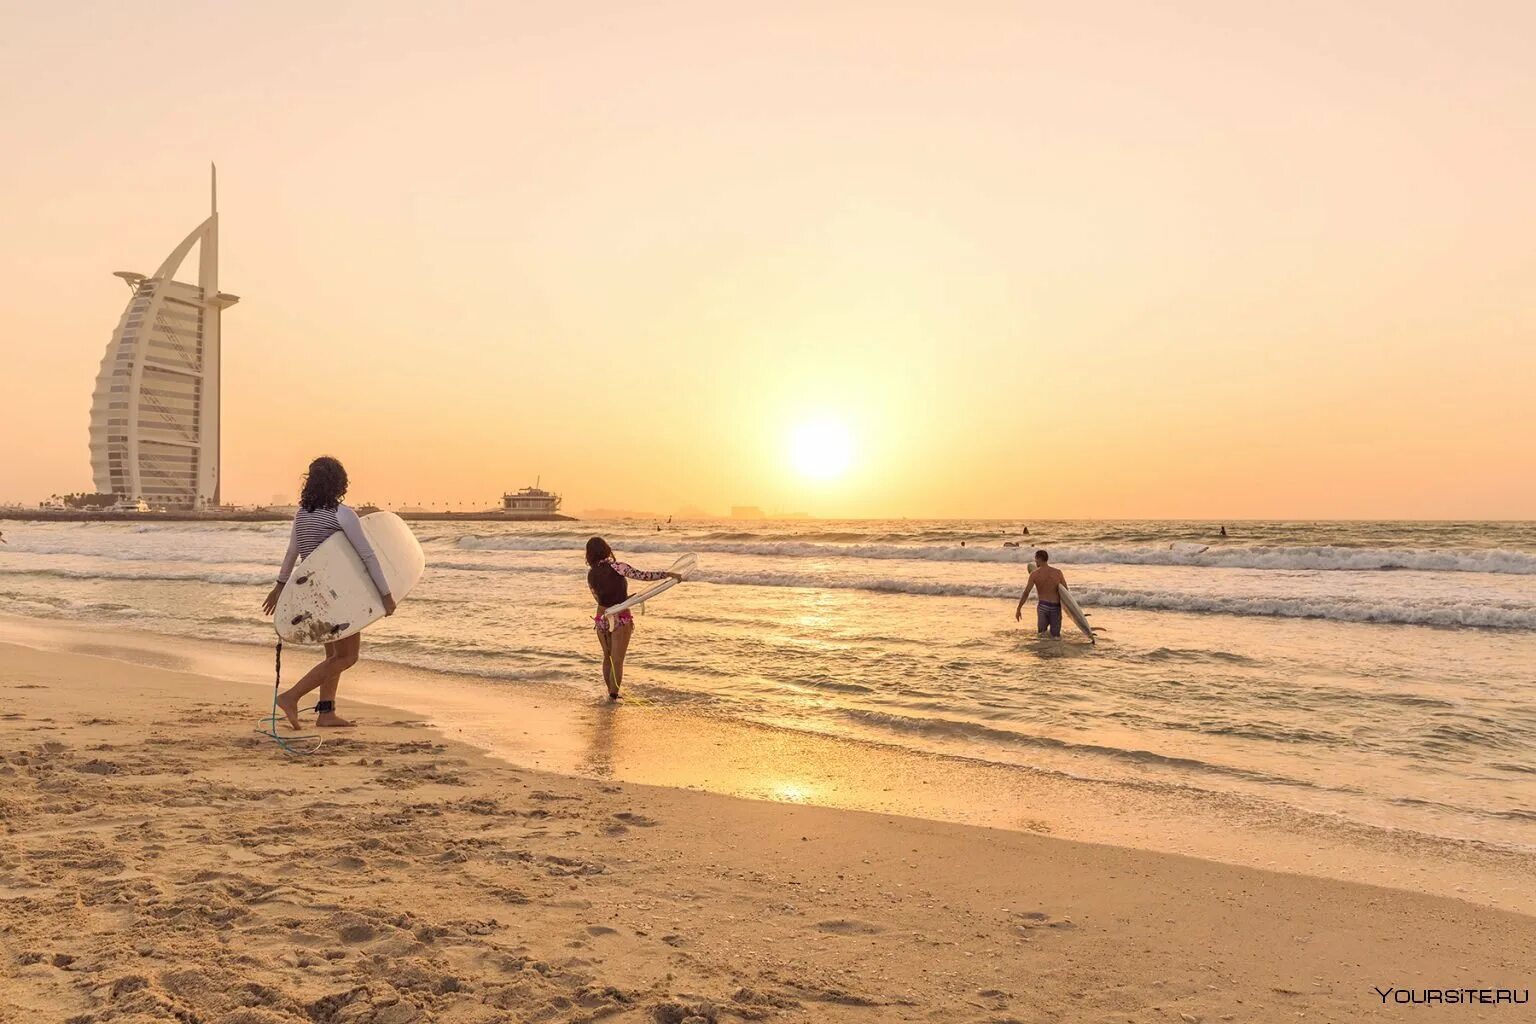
(531, 501)
(155, 410)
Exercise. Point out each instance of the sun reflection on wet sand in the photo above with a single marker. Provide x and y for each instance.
(791, 792)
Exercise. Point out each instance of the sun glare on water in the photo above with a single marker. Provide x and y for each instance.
(822, 449)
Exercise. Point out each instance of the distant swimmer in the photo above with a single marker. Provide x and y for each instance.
(320, 515)
(1223, 531)
(1050, 580)
(1024, 532)
(606, 577)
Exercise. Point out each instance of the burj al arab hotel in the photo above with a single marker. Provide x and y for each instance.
(155, 411)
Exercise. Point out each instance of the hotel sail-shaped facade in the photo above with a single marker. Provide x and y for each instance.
(155, 410)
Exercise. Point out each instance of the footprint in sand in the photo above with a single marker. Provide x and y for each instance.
(637, 820)
(1031, 919)
(566, 867)
(355, 933)
(848, 926)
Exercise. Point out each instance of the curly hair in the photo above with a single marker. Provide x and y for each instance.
(598, 550)
(324, 485)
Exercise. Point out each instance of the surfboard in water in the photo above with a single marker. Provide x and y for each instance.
(330, 595)
(684, 567)
(1080, 620)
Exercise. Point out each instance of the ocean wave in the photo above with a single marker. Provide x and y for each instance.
(157, 553)
(1321, 558)
(947, 728)
(574, 570)
(167, 575)
(16, 603)
(1484, 615)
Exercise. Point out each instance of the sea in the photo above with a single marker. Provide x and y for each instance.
(1383, 672)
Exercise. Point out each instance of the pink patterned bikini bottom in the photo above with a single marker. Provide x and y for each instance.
(600, 622)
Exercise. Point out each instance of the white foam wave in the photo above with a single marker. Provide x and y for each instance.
(170, 575)
(1321, 558)
(159, 552)
(1425, 613)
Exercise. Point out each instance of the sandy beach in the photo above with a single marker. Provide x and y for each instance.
(802, 513)
(162, 861)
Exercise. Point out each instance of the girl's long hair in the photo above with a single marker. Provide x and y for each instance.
(324, 485)
(598, 550)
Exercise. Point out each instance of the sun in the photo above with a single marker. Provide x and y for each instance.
(821, 449)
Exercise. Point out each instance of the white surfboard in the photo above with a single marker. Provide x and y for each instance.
(684, 567)
(1076, 612)
(330, 595)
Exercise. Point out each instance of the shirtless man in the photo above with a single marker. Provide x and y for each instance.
(1050, 581)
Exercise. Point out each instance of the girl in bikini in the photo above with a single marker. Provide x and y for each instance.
(607, 579)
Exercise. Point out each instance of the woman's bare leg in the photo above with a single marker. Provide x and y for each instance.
(619, 644)
(289, 699)
(343, 657)
(606, 642)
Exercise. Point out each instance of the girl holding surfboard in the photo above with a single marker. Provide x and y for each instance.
(320, 515)
(607, 579)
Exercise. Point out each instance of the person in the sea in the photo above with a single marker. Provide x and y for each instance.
(607, 579)
(1049, 580)
(1223, 531)
(320, 515)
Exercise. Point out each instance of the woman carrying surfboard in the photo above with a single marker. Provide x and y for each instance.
(320, 515)
(607, 578)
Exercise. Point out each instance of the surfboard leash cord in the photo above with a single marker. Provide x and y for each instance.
(288, 746)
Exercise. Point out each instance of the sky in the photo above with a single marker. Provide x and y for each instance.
(1024, 260)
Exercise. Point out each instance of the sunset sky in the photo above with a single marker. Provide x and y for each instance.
(1216, 260)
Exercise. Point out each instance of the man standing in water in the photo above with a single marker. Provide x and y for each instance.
(1050, 581)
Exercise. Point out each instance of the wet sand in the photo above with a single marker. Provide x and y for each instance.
(565, 730)
(163, 861)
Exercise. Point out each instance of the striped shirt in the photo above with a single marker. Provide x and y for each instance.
(311, 529)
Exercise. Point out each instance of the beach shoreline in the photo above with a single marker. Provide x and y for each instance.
(161, 857)
(564, 730)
